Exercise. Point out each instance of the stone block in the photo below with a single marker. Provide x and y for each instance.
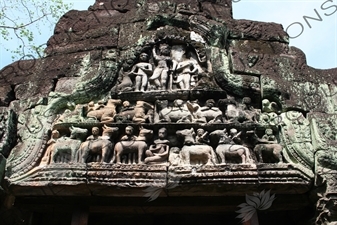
(220, 9)
(66, 85)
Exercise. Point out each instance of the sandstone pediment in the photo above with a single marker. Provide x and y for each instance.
(170, 95)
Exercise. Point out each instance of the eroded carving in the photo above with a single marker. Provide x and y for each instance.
(141, 112)
(268, 150)
(177, 113)
(227, 148)
(104, 113)
(158, 152)
(64, 149)
(141, 71)
(98, 148)
(239, 112)
(159, 78)
(132, 145)
(192, 153)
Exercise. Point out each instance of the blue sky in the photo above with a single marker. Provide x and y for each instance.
(316, 37)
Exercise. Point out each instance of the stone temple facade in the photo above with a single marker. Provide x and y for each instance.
(167, 112)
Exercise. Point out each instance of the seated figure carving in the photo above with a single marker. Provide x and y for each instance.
(192, 152)
(104, 113)
(205, 114)
(201, 137)
(268, 150)
(249, 113)
(158, 153)
(73, 114)
(177, 113)
(125, 83)
(236, 112)
(142, 112)
(131, 145)
(228, 148)
(97, 148)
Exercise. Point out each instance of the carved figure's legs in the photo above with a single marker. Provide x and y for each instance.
(185, 157)
(141, 82)
(138, 83)
(164, 76)
(141, 150)
(155, 77)
(144, 83)
(105, 152)
(118, 157)
(209, 160)
(221, 153)
(186, 81)
(258, 152)
(117, 153)
(243, 157)
(85, 154)
(183, 81)
(248, 156)
(277, 152)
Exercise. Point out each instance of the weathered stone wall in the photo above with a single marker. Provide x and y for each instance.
(91, 50)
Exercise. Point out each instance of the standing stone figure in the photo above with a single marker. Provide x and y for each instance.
(141, 70)
(186, 69)
(160, 73)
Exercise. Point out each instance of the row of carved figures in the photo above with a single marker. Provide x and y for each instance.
(172, 68)
(184, 147)
(178, 111)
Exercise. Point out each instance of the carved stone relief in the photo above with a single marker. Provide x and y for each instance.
(173, 94)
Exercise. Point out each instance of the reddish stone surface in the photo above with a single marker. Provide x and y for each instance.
(112, 33)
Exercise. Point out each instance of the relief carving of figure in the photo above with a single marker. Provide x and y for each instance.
(201, 137)
(249, 113)
(64, 150)
(132, 145)
(55, 134)
(236, 112)
(141, 71)
(268, 150)
(269, 107)
(97, 148)
(142, 112)
(205, 114)
(177, 113)
(185, 71)
(192, 152)
(160, 74)
(158, 153)
(73, 114)
(125, 82)
(104, 114)
(228, 148)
